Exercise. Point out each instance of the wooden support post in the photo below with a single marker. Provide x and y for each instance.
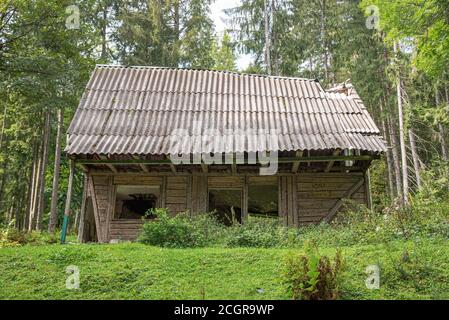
(331, 163)
(369, 201)
(295, 165)
(245, 200)
(93, 196)
(68, 202)
(234, 169)
(83, 210)
(173, 168)
(163, 201)
(204, 168)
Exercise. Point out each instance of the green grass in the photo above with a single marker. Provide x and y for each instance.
(409, 270)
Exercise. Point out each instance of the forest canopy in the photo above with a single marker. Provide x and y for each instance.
(395, 53)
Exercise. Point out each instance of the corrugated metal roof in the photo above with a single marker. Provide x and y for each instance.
(152, 110)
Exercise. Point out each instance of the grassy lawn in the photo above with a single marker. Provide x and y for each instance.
(409, 270)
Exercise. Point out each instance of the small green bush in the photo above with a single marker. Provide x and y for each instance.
(180, 231)
(312, 276)
(11, 237)
(261, 232)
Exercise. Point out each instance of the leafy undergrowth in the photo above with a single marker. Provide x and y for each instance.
(409, 270)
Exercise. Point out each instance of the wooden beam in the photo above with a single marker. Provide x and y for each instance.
(83, 167)
(234, 169)
(142, 165)
(279, 160)
(173, 168)
(295, 165)
(108, 164)
(348, 194)
(111, 166)
(204, 168)
(331, 163)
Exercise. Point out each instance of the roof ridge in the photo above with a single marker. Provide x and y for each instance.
(211, 70)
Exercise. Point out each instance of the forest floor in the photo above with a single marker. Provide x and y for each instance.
(409, 270)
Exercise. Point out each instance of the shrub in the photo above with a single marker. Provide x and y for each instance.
(261, 232)
(11, 237)
(313, 276)
(180, 231)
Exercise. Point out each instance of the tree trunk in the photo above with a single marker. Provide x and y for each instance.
(176, 17)
(5, 162)
(104, 24)
(390, 164)
(401, 135)
(267, 36)
(441, 131)
(21, 209)
(31, 184)
(415, 156)
(324, 40)
(395, 153)
(40, 203)
(35, 187)
(56, 171)
(3, 181)
(444, 152)
(3, 125)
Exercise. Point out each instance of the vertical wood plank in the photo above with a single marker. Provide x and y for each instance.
(163, 202)
(83, 209)
(245, 200)
(189, 195)
(111, 205)
(368, 190)
(294, 203)
(95, 206)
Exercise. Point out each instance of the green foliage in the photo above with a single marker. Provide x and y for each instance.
(422, 22)
(11, 237)
(136, 271)
(180, 231)
(224, 55)
(261, 233)
(311, 276)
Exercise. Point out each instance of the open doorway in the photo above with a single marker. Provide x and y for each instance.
(227, 204)
(133, 202)
(88, 229)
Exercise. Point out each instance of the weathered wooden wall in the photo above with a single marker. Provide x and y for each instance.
(177, 191)
(303, 198)
(319, 194)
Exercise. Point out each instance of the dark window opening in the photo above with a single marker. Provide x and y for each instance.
(227, 205)
(263, 201)
(133, 202)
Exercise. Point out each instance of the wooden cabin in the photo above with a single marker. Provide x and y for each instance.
(200, 140)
